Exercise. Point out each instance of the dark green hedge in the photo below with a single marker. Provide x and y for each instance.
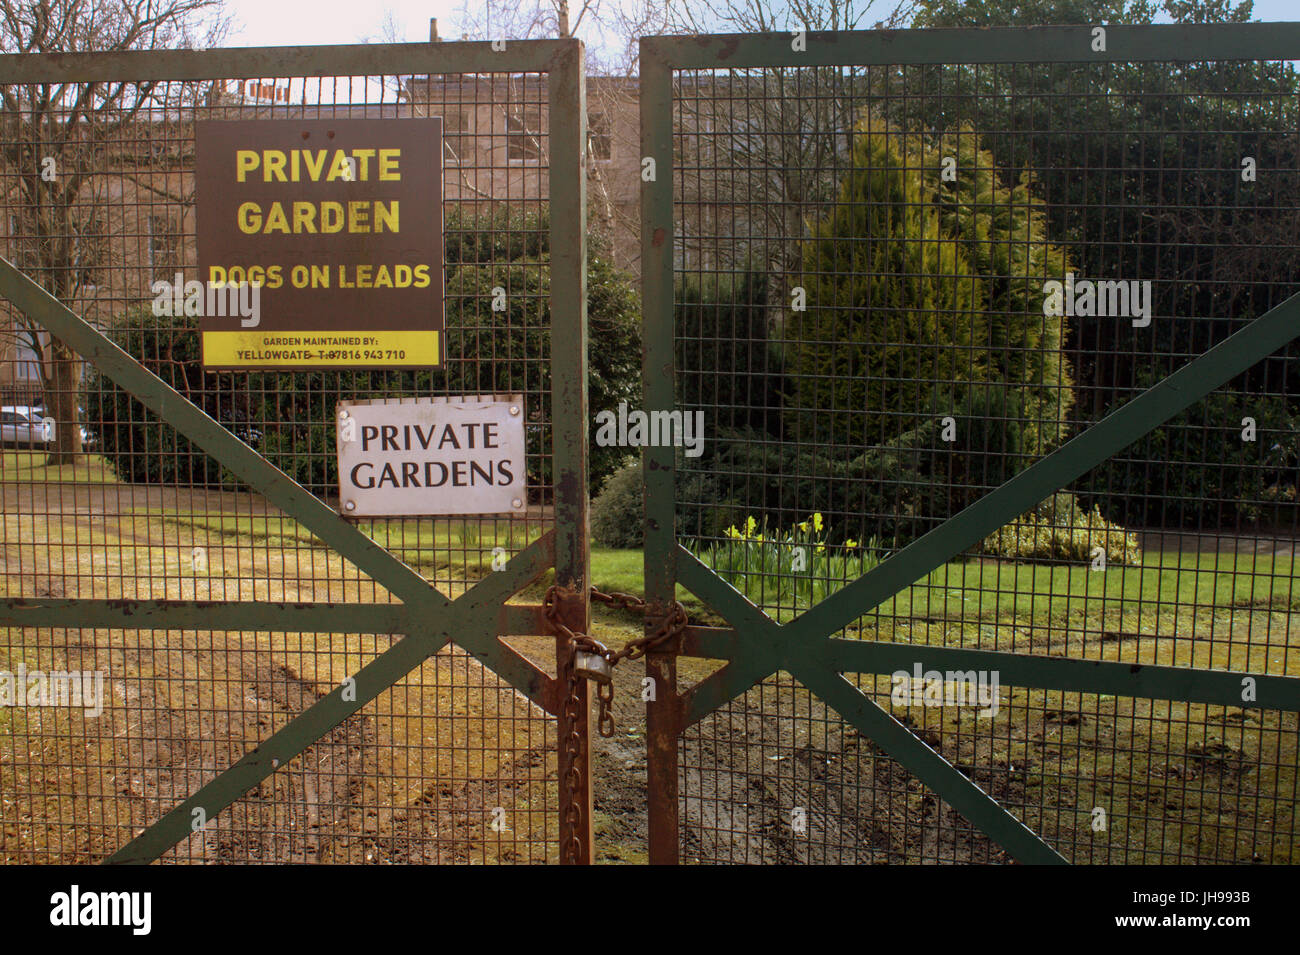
(1197, 472)
(142, 449)
(896, 492)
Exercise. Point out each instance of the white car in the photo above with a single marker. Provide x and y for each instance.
(22, 426)
(26, 427)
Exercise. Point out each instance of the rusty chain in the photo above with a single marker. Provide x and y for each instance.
(672, 625)
(573, 748)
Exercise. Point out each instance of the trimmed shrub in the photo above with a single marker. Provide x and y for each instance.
(918, 288)
(895, 493)
(727, 365)
(1059, 529)
(141, 448)
(1003, 230)
(892, 322)
(618, 512)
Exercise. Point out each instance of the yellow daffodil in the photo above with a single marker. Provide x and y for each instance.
(850, 544)
(751, 525)
(817, 522)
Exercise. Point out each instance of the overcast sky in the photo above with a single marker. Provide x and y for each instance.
(310, 22)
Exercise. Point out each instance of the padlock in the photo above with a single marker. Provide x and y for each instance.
(592, 666)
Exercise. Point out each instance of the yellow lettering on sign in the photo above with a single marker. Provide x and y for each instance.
(313, 165)
(276, 220)
(359, 216)
(246, 161)
(304, 217)
(314, 168)
(273, 161)
(250, 217)
(386, 216)
(363, 162)
(342, 169)
(331, 217)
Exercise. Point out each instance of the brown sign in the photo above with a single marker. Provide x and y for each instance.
(336, 224)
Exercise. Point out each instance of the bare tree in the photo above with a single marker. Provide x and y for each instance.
(765, 141)
(773, 137)
(55, 140)
(526, 19)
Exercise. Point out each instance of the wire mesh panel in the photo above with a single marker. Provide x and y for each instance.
(900, 279)
(778, 777)
(449, 766)
(105, 500)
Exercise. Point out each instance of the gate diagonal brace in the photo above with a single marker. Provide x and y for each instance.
(923, 762)
(1237, 353)
(471, 621)
(1060, 674)
(476, 631)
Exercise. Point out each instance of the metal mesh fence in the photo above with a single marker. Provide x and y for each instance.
(896, 287)
(451, 764)
(778, 777)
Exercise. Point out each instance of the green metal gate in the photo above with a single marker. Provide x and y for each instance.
(846, 242)
(280, 683)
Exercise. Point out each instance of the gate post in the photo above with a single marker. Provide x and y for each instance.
(662, 722)
(663, 726)
(567, 103)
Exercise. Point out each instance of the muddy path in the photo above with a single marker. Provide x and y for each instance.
(745, 768)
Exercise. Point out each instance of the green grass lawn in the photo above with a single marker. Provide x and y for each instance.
(18, 465)
(1221, 610)
(1168, 584)
(1170, 589)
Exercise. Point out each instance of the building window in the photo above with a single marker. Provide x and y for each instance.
(524, 133)
(27, 364)
(598, 134)
(164, 246)
(457, 136)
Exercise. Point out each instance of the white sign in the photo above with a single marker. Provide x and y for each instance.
(421, 456)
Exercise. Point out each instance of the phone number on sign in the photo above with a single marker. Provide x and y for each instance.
(322, 354)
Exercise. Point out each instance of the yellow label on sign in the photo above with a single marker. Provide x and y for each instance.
(281, 349)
